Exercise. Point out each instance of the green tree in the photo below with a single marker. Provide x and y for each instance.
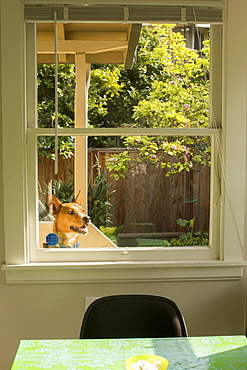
(176, 94)
(99, 205)
(168, 86)
(46, 107)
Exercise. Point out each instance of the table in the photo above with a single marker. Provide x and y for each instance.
(200, 353)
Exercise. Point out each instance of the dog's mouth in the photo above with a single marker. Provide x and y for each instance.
(79, 230)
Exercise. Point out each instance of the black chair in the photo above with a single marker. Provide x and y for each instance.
(132, 316)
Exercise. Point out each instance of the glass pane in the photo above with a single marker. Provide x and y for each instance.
(168, 85)
(150, 191)
(60, 185)
(46, 95)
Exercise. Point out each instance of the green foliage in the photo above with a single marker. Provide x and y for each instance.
(104, 86)
(146, 242)
(188, 224)
(46, 107)
(46, 145)
(46, 95)
(99, 207)
(176, 95)
(111, 232)
(179, 90)
(119, 163)
(62, 190)
(201, 240)
(192, 237)
(174, 153)
(168, 86)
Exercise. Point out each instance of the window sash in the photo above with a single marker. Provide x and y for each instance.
(109, 254)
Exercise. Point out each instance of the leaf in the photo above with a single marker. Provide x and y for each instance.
(192, 223)
(182, 222)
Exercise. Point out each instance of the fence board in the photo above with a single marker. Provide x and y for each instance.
(147, 201)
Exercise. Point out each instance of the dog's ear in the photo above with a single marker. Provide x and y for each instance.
(78, 199)
(53, 203)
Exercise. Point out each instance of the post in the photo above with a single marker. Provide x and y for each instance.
(80, 166)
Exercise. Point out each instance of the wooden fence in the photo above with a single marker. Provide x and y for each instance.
(147, 201)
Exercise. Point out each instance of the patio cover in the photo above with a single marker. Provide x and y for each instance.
(101, 42)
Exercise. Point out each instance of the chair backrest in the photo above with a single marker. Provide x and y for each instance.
(133, 316)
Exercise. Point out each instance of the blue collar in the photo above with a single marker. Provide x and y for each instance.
(76, 245)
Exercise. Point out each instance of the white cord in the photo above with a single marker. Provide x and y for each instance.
(56, 93)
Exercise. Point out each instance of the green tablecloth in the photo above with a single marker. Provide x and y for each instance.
(201, 353)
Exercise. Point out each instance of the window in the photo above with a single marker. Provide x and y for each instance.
(20, 183)
(143, 238)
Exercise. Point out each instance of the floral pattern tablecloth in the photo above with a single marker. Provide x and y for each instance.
(201, 353)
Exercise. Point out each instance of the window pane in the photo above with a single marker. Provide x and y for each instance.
(46, 95)
(61, 185)
(168, 85)
(150, 191)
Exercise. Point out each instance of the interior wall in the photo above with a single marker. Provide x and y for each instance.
(55, 310)
(44, 311)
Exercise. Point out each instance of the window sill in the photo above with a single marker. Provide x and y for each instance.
(131, 271)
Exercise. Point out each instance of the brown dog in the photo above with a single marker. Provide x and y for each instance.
(70, 220)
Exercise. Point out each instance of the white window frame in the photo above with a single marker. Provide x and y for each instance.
(37, 254)
(226, 241)
(105, 254)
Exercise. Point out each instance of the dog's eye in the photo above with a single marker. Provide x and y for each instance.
(71, 212)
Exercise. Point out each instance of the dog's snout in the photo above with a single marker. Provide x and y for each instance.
(86, 219)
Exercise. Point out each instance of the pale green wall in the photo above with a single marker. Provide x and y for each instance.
(55, 310)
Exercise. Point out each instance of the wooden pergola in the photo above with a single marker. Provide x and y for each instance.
(100, 42)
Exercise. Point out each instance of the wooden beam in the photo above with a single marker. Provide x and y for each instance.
(61, 36)
(83, 35)
(134, 35)
(113, 57)
(97, 36)
(60, 31)
(76, 46)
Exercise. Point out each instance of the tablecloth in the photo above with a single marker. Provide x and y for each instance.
(201, 353)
